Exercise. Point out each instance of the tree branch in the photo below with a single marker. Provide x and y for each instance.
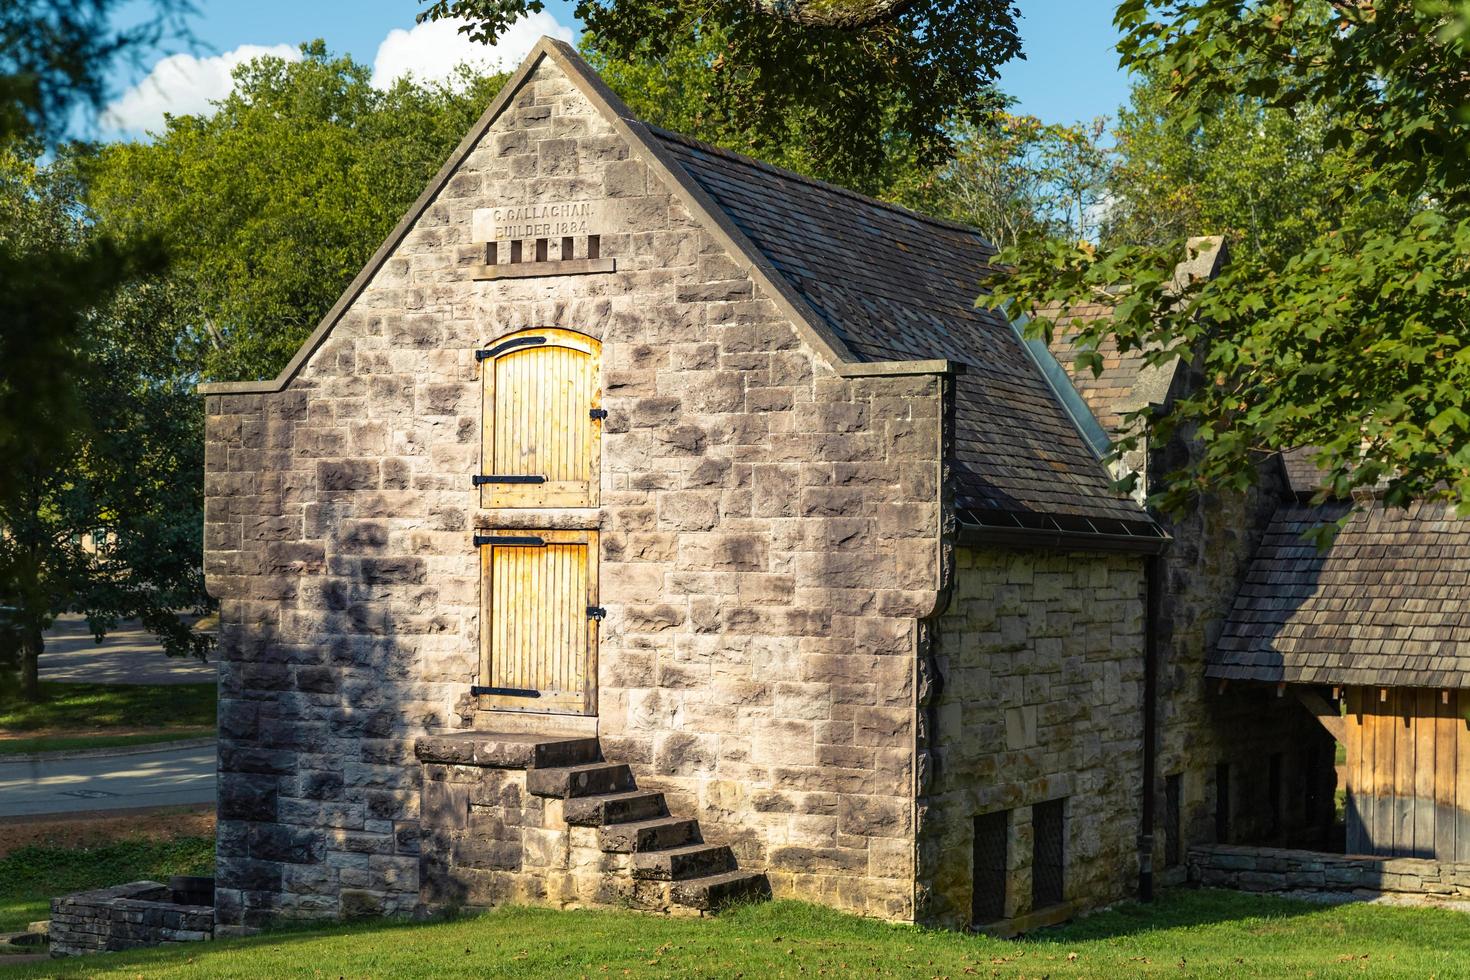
(838, 14)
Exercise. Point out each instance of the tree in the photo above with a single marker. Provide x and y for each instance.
(853, 86)
(1263, 177)
(271, 204)
(1017, 178)
(54, 57)
(101, 516)
(1358, 340)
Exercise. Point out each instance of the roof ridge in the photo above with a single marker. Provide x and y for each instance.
(759, 164)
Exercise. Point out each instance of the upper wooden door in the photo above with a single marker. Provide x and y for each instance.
(543, 426)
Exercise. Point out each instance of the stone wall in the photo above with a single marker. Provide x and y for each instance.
(142, 913)
(768, 536)
(1202, 726)
(1040, 663)
(1273, 869)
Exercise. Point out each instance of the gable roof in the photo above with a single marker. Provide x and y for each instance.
(1384, 605)
(894, 285)
(873, 288)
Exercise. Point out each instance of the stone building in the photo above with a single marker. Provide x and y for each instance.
(649, 525)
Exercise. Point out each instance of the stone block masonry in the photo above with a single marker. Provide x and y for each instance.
(768, 534)
(1040, 676)
(131, 916)
(1276, 869)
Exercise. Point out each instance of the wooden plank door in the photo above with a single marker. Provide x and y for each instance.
(539, 621)
(543, 425)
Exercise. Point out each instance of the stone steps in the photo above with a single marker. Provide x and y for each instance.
(684, 862)
(594, 811)
(709, 893)
(591, 779)
(647, 835)
(655, 860)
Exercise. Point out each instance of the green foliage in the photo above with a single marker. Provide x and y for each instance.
(1016, 178)
(55, 54)
(31, 876)
(272, 204)
(1262, 177)
(841, 103)
(1186, 933)
(86, 707)
(1348, 328)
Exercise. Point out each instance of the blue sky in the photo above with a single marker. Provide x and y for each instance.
(1070, 72)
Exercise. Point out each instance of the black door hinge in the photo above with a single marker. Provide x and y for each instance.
(597, 413)
(596, 612)
(508, 541)
(480, 479)
(498, 349)
(505, 692)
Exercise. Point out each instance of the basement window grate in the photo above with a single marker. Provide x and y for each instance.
(1048, 853)
(1222, 803)
(988, 868)
(1173, 820)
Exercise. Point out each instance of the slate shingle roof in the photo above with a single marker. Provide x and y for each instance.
(895, 285)
(1388, 604)
(1111, 394)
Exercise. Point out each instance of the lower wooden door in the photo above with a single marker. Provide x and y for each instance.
(539, 621)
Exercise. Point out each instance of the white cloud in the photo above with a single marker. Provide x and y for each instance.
(430, 51)
(183, 84)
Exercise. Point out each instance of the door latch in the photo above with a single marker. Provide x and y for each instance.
(596, 612)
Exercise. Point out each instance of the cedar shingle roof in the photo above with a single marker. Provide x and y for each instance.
(895, 285)
(1387, 604)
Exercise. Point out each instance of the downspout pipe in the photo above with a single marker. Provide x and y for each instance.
(1153, 573)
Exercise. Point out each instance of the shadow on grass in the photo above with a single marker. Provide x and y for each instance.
(1182, 908)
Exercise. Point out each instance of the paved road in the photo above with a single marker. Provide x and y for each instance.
(167, 777)
(128, 655)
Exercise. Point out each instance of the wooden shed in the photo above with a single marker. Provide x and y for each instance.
(1373, 636)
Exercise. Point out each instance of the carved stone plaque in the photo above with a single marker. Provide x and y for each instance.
(555, 219)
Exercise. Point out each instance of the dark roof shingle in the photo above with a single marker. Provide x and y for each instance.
(1387, 604)
(895, 285)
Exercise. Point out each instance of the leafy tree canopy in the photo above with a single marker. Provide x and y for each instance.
(271, 204)
(1349, 331)
(1015, 179)
(839, 87)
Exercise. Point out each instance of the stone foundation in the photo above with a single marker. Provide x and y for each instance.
(142, 913)
(1275, 869)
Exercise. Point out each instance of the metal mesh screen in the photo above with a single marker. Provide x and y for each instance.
(1173, 824)
(1048, 834)
(1222, 803)
(989, 867)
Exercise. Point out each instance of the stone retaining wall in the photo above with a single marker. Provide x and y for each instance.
(1275, 869)
(141, 913)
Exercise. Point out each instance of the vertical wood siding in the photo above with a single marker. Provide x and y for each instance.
(538, 406)
(1408, 789)
(538, 637)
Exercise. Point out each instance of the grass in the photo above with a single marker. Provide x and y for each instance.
(73, 743)
(86, 708)
(31, 876)
(1187, 933)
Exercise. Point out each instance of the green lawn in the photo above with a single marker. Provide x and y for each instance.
(72, 743)
(31, 876)
(1186, 933)
(89, 707)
